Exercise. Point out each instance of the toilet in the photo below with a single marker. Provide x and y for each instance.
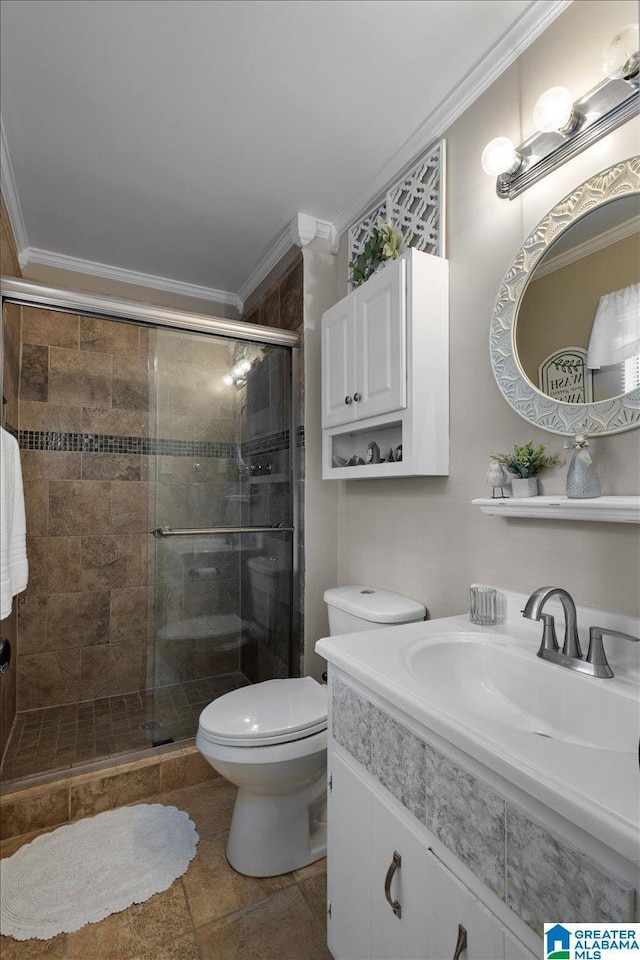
(270, 740)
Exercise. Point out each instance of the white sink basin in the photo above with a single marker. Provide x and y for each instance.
(484, 676)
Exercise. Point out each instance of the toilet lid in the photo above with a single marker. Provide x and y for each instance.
(275, 711)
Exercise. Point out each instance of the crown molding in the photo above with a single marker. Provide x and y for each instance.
(623, 230)
(300, 231)
(11, 199)
(51, 259)
(534, 21)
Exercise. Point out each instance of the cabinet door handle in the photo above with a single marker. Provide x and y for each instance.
(348, 400)
(395, 864)
(357, 396)
(462, 942)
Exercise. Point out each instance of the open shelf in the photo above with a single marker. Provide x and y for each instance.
(605, 509)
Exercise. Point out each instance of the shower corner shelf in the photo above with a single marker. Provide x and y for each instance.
(604, 509)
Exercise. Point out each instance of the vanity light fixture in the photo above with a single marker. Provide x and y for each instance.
(554, 111)
(566, 127)
(500, 156)
(620, 59)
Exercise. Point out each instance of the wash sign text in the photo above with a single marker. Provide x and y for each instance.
(591, 941)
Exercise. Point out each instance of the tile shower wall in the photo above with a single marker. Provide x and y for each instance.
(84, 407)
(194, 596)
(8, 626)
(266, 459)
(282, 305)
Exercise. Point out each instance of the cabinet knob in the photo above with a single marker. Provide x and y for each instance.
(357, 396)
(461, 943)
(348, 400)
(395, 864)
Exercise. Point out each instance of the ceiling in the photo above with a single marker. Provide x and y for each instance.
(178, 138)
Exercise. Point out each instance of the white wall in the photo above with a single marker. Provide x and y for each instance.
(421, 536)
(321, 290)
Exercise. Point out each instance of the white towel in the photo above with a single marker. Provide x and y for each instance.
(14, 569)
(615, 335)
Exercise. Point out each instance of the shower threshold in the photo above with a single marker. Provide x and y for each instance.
(50, 739)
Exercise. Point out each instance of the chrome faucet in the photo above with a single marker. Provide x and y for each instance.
(533, 611)
(595, 663)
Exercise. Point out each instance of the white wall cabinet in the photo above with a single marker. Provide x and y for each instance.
(390, 896)
(365, 355)
(385, 357)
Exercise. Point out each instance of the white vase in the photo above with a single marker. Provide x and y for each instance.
(525, 488)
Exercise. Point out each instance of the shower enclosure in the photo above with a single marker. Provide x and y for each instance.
(161, 512)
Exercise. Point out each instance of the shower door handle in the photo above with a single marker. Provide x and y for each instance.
(161, 532)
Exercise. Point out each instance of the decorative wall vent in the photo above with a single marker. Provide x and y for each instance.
(414, 204)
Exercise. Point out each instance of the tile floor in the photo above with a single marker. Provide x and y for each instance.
(211, 913)
(56, 738)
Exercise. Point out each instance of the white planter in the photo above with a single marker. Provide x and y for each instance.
(525, 488)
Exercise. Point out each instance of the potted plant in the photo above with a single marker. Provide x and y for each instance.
(526, 463)
(385, 244)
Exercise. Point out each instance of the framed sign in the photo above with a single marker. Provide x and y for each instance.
(564, 376)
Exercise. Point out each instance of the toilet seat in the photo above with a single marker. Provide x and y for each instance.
(267, 713)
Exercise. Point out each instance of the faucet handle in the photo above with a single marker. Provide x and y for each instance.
(549, 639)
(596, 655)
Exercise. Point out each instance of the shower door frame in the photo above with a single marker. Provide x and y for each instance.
(26, 292)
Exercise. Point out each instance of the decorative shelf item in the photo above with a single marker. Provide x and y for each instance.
(605, 509)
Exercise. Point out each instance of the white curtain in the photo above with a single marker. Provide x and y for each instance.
(615, 335)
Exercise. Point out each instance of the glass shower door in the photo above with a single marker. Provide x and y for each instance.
(221, 507)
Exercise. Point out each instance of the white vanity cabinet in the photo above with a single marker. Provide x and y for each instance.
(378, 858)
(385, 358)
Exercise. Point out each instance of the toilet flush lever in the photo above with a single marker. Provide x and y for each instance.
(395, 864)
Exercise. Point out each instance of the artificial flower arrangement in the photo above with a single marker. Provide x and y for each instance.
(527, 461)
(385, 244)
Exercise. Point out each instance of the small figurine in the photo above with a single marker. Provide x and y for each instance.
(355, 461)
(373, 452)
(389, 458)
(337, 461)
(397, 454)
(496, 478)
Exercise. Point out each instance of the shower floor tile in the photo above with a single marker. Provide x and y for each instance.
(56, 738)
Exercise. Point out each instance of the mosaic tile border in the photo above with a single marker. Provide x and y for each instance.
(52, 441)
(535, 873)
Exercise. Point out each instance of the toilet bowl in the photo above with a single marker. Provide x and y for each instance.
(270, 740)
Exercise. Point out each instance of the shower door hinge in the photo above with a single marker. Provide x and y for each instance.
(330, 781)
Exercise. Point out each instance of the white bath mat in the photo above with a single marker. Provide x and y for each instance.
(82, 872)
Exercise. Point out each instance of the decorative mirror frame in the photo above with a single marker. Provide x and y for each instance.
(601, 417)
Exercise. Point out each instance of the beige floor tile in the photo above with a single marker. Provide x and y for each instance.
(314, 890)
(280, 928)
(209, 804)
(7, 847)
(159, 920)
(53, 949)
(214, 889)
(184, 948)
(319, 867)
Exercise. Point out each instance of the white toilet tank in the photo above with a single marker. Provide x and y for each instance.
(357, 607)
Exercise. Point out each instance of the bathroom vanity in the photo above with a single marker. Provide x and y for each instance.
(476, 791)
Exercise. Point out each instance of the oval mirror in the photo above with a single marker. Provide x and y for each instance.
(565, 332)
